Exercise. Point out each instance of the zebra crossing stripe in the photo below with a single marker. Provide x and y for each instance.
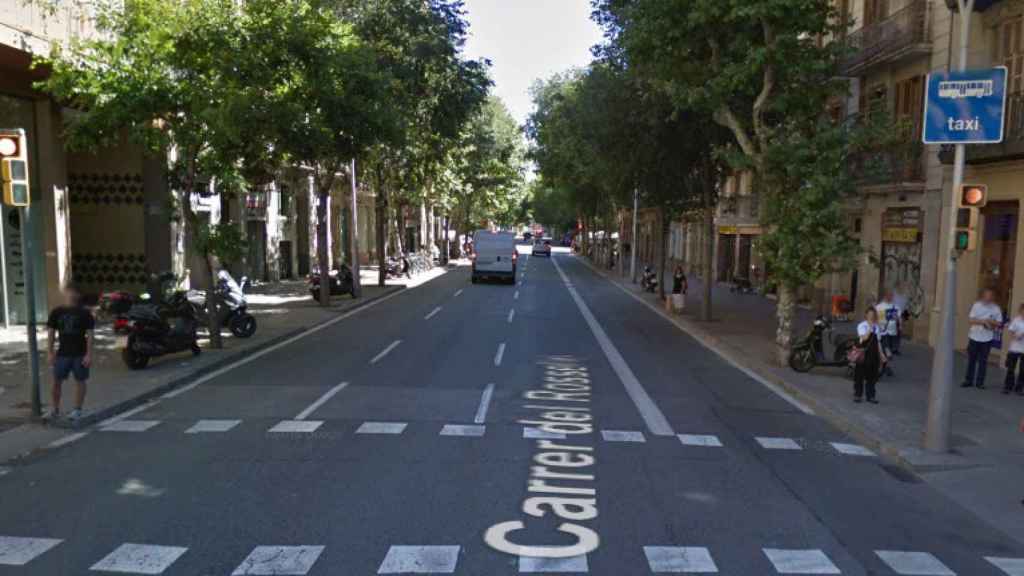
(420, 560)
(15, 551)
(851, 449)
(778, 443)
(130, 426)
(622, 436)
(296, 426)
(1011, 566)
(800, 561)
(914, 563)
(705, 440)
(382, 428)
(538, 434)
(139, 559)
(575, 564)
(463, 430)
(678, 560)
(205, 426)
(275, 560)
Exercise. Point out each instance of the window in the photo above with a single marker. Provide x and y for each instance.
(875, 11)
(909, 106)
(1011, 53)
(284, 204)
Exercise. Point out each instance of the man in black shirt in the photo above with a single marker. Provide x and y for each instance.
(71, 328)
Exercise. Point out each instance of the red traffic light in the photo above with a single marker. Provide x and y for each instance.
(10, 145)
(973, 195)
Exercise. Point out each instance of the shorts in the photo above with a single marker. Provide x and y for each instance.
(63, 366)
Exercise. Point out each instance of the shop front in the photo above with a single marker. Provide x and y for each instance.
(738, 259)
(900, 261)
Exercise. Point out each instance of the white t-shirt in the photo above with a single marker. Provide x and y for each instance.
(1016, 329)
(865, 328)
(982, 311)
(888, 317)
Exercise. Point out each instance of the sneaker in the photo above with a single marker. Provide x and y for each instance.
(967, 385)
(52, 415)
(873, 400)
(75, 414)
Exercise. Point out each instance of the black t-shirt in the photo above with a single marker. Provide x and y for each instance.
(71, 324)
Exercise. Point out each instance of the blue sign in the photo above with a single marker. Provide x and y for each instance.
(965, 107)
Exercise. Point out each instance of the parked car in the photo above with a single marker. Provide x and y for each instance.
(542, 248)
(494, 256)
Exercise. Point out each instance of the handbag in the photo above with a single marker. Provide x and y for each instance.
(855, 355)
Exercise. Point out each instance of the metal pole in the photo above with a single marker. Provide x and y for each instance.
(3, 273)
(30, 304)
(357, 285)
(938, 431)
(632, 243)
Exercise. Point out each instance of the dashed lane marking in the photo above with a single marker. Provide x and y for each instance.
(577, 564)
(320, 401)
(914, 563)
(516, 295)
(273, 560)
(139, 559)
(622, 436)
(511, 315)
(500, 354)
(677, 560)
(420, 560)
(208, 426)
(432, 313)
(778, 443)
(800, 561)
(705, 440)
(457, 292)
(382, 428)
(385, 351)
(15, 551)
(130, 426)
(485, 403)
(296, 427)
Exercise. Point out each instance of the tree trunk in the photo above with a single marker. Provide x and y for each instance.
(380, 209)
(322, 198)
(662, 257)
(709, 235)
(784, 332)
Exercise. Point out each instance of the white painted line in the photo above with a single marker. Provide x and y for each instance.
(851, 449)
(914, 563)
(432, 313)
(256, 355)
(272, 560)
(485, 403)
(384, 352)
(529, 565)
(296, 427)
(1012, 566)
(463, 430)
(649, 411)
(16, 551)
(4, 470)
(500, 354)
(139, 559)
(207, 426)
(800, 561)
(511, 315)
(705, 440)
(537, 434)
(679, 560)
(622, 436)
(128, 414)
(457, 292)
(320, 401)
(382, 428)
(130, 426)
(516, 295)
(778, 443)
(420, 560)
(63, 441)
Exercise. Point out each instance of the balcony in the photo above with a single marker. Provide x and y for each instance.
(905, 33)
(896, 167)
(1012, 146)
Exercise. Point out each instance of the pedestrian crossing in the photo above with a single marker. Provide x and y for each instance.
(299, 560)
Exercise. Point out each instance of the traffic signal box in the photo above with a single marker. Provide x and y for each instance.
(971, 199)
(14, 167)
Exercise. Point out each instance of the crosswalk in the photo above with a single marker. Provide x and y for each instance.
(298, 560)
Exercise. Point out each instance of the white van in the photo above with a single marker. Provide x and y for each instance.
(494, 256)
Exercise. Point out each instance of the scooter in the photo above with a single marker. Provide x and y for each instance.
(159, 328)
(341, 282)
(232, 298)
(821, 347)
(649, 280)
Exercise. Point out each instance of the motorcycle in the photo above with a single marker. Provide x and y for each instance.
(398, 267)
(341, 282)
(159, 328)
(232, 299)
(821, 347)
(649, 280)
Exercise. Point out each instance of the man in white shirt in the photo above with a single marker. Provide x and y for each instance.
(1016, 330)
(985, 318)
(889, 323)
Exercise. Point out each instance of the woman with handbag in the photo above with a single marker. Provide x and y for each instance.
(867, 357)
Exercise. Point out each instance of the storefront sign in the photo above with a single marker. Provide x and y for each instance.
(900, 235)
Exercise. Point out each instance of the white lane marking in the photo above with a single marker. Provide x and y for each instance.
(485, 403)
(207, 426)
(705, 440)
(256, 355)
(914, 563)
(500, 354)
(457, 292)
(382, 428)
(778, 443)
(649, 411)
(679, 559)
(384, 352)
(511, 315)
(516, 295)
(128, 414)
(268, 560)
(320, 401)
(538, 434)
(67, 439)
(622, 436)
(139, 559)
(16, 551)
(529, 565)
(130, 426)
(851, 449)
(520, 283)
(420, 560)
(296, 426)
(432, 313)
(463, 430)
(800, 561)
(1012, 566)
(4, 470)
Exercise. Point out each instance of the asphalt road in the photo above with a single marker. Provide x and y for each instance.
(402, 440)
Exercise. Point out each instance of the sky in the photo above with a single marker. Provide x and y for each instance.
(528, 40)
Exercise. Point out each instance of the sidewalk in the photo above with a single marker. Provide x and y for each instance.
(985, 470)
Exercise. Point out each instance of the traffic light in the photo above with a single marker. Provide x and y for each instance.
(14, 167)
(973, 195)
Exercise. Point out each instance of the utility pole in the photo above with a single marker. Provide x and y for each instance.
(357, 285)
(940, 393)
(632, 243)
(30, 303)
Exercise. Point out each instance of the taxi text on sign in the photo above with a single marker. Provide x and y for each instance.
(965, 107)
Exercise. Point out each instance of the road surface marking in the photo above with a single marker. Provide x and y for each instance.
(4, 470)
(420, 560)
(516, 295)
(706, 440)
(67, 439)
(206, 426)
(463, 430)
(528, 565)
(130, 426)
(296, 427)
(800, 561)
(852, 449)
(1012, 566)
(457, 292)
(320, 401)
(432, 313)
(20, 551)
(382, 428)
(649, 411)
(384, 352)
(500, 354)
(511, 315)
(127, 414)
(269, 560)
(139, 559)
(537, 434)
(485, 403)
(914, 563)
(778, 443)
(622, 436)
(677, 559)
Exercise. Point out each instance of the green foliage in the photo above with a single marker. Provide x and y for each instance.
(222, 241)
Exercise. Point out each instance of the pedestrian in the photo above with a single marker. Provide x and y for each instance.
(889, 322)
(985, 317)
(679, 288)
(70, 330)
(1016, 330)
(870, 357)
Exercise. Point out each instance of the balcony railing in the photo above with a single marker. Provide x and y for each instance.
(904, 32)
(896, 165)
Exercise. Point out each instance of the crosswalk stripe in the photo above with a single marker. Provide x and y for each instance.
(420, 560)
(65, 440)
(139, 559)
(851, 449)
(463, 430)
(705, 440)
(204, 426)
(296, 426)
(778, 443)
(800, 561)
(538, 434)
(16, 551)
(382, 428)
(622, 436)
(679, 560)
(914, 563)
(1011, 566)
(274, 560)
(130, 426)
(575, 564)
(4, 470)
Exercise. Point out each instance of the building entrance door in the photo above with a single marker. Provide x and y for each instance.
(999, 250)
